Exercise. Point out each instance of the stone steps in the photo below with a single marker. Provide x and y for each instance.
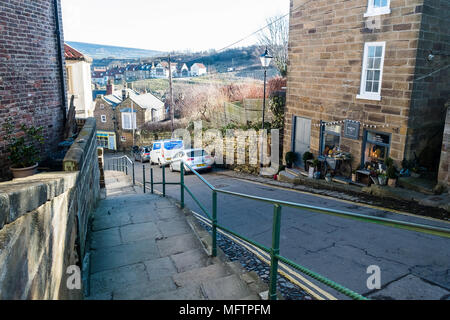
(144, 247)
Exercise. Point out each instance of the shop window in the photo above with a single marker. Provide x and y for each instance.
(102, 141)
(377, 147)
(331, 139)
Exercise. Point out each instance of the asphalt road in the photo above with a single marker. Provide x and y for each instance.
(337, 248)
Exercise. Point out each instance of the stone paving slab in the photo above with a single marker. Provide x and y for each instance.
(142, 247)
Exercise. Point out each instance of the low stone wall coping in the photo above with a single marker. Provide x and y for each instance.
(20, 196)
(76, 154)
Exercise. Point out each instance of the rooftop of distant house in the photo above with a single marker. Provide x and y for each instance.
(73, 54)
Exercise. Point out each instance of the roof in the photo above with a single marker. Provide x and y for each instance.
(199, 65)
(145, 101)
(73, 54)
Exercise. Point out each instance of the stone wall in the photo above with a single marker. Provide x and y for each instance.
(43, 223)
(30, 78)
(444, 166)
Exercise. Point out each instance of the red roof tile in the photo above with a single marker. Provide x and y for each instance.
(73, 54)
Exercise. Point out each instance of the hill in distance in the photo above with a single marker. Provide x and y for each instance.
(98, 51)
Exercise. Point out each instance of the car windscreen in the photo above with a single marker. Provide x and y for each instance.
(197, 153)
(173, 145)
(146, 150)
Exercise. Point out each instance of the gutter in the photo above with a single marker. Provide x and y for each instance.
(61, 60)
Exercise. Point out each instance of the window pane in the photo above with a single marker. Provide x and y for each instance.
(379, 52)
(370, 63)
(369, 86)
(376, 75)
(375, 86)
(377, 63)
(369, 75)
(384, 3)
(371, 52)
(330, 141)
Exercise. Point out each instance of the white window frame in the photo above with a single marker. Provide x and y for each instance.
(103, 118)
(375, 11)
(362, 91)
(133, 124)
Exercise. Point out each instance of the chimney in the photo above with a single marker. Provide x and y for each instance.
(109, 88)
(124, 94)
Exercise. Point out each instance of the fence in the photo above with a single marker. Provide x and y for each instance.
(274, 250)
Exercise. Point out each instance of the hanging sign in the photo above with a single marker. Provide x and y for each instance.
(351, 130)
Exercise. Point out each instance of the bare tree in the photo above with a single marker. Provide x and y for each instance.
(276, 38)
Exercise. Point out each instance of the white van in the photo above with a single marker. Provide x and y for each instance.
(163, 151)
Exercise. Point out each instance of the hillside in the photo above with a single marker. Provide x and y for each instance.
(98, 51)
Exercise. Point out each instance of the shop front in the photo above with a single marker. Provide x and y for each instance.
(106, 140)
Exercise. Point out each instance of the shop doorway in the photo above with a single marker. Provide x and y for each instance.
(301, 138)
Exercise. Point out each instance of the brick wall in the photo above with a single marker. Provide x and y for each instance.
(30, 82)
(325, 62)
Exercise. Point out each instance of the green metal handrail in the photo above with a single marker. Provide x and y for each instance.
(274, 250)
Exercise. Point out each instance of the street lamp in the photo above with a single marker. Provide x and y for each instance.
(266, 58)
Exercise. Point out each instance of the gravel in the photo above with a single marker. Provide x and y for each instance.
(250, 262)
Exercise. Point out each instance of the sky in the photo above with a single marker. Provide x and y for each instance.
(167, 25)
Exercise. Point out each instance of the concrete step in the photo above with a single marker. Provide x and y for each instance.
(226, 288)
(287, 177)
(198, 276)
(295, 172)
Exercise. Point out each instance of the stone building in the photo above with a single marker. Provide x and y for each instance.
(369, 77)
(32, 85)
(120, 113)
(443, 177)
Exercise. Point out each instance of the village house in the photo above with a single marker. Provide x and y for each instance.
(198, 69)
(120, 113)
(368, 77)
(78, 70)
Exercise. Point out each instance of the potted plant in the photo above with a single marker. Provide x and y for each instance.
(307, 156)
(392, 176)
(290, 158)
(382, 179)
(23, 149)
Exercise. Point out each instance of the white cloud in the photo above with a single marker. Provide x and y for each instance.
(167, 24)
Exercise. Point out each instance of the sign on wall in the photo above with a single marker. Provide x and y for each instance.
(351, 130)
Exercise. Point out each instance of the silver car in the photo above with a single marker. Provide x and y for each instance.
(198, 159)
(143, 154)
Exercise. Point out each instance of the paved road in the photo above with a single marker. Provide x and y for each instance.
(413, 265)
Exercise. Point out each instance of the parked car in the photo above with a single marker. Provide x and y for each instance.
(198, 159)
(142, 154)
(163, 151)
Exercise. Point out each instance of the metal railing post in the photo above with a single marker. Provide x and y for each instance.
(164, 180)
(126, 166)
(143, 176)
(182, 184)
(134, 179)
(214, 224)
(151, 180)
(274, 252)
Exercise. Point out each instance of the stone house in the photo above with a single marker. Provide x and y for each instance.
(120, 113)
(368, 77)
(78, 70)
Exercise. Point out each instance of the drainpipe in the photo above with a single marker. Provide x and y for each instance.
(61, 60)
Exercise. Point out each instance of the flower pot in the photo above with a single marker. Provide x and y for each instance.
(392, 183)
(382, 180)
(23, 172)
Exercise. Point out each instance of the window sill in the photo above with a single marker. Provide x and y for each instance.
(373, 13)
(374, 97)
